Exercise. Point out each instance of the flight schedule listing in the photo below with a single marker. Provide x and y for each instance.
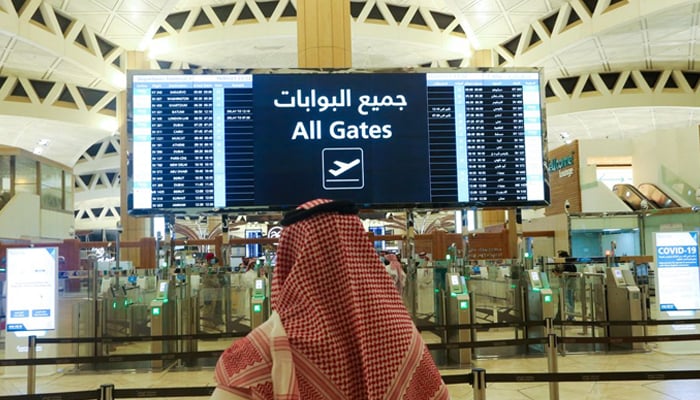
(496, 127)
(181, 126)
(182, 147)
(495, 143)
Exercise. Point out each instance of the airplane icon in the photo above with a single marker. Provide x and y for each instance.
(342, 166)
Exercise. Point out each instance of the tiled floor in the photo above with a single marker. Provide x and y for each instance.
(652, 360)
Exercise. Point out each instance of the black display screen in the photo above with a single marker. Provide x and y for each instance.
(204, 141)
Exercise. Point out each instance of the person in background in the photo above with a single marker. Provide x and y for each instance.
(395, 270)
(569, 284)
(212, 312)
(338, 329)
(250, 274)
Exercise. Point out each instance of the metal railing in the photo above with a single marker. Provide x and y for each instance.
(477, 378)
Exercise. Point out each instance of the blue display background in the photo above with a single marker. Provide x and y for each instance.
(241, 140)
(395, 168)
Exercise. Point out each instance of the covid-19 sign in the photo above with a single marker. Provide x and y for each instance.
(678, 268)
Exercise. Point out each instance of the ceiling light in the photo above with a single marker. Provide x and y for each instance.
(268, 47)
(38, 149)
(109, 124)
(43, 142)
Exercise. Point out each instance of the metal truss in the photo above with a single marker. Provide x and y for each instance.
(68, 39)
(97, 186)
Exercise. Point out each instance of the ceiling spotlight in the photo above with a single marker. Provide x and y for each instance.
(565, 137)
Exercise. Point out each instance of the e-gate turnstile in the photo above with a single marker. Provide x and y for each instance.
(540, 297)
(163, 317)
(458, 312)
(540, 305)
(624, 302)
(259, 303)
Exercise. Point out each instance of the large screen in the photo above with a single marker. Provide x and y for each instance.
(207, 141)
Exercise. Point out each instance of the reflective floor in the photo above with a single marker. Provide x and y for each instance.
(655, 359)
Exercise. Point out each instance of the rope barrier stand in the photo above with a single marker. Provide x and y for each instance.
(31, 368)
(478, 375)
(106, 392)
(552, 365)
(479, 383)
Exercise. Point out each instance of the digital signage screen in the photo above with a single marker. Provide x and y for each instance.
(205, 141)
(32, 275)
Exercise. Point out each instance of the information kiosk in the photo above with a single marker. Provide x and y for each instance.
(624, 302)
(259, 303)
(162, 322)
(458, 313)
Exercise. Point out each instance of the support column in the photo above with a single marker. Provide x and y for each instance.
(323, 34)
(133, 229)
(482, 59)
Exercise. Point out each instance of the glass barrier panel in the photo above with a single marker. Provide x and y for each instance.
(5, 180)
(51, 187)
(25, 175)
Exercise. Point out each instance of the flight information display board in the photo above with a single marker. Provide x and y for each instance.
(204, 141)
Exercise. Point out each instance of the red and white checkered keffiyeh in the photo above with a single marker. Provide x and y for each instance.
(339, 329)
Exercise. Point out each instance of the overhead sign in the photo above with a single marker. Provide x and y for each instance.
(31, 288)
(211, 140)
(565, 180)
(678, 269)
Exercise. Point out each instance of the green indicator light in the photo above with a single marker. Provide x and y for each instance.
(437, 290)
(535, 289)
(453, 294)
(257, 308)
(463, 305)
(165, 300)
(114, 305)
(155, 311)
(512, 286)
(447, 257)
(126, 302)
(547, 298)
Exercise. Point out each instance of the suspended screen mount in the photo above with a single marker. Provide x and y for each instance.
(220, 141)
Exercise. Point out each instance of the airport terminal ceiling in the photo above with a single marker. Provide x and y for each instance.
(613, 68)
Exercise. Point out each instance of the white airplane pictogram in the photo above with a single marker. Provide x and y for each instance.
(342, 166)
